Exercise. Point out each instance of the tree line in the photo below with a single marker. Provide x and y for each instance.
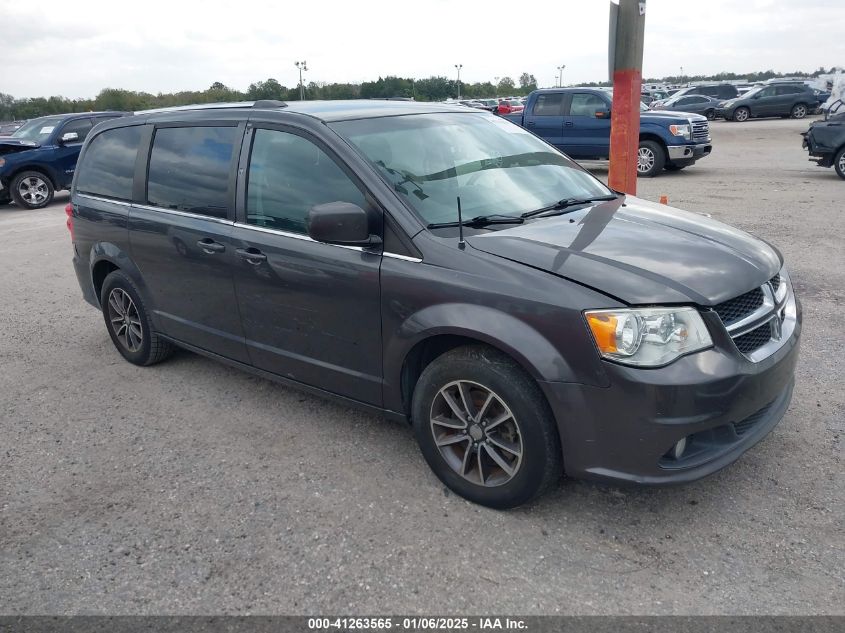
(435, 88)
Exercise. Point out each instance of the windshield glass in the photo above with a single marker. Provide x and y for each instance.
(754, 91)
(495, 166)
(38, 130)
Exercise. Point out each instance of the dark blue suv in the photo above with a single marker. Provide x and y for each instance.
(39, 158)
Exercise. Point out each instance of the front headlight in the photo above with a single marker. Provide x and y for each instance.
(680, 130)
(648, 337)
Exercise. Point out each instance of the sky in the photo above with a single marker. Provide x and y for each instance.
(76, 49)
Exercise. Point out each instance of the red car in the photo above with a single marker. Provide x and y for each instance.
(507, 106)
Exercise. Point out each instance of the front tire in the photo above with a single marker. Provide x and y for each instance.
(839, 163)
(32, 190)
(128, 322)
(799, 111)
(485, 428)
(650, 159)
(741, 114)
(710, 114)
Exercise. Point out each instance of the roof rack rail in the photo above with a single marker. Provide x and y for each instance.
(269, 103)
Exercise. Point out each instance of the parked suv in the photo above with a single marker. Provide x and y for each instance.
(442, 266)
(793, 99)
(39, 157)
(717, 91)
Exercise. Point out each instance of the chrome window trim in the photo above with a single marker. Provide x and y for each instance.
(185, 214)
(404, 258)
(299, 236)
(88, 196)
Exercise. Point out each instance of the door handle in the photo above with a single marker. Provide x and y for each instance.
(251, 255)
(568, 124)
(530, 124)
(210, 247)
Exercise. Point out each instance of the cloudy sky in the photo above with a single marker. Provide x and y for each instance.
(75, 49)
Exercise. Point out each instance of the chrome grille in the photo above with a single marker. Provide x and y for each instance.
(755, 339)
(757, 319)
(739, 307)
(701, 131)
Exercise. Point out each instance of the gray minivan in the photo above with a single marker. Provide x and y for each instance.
(444, 267)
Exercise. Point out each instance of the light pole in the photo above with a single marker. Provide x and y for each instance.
(682, 74)
(560, 72)
(302, 66)
(496, 79)
(459, 66)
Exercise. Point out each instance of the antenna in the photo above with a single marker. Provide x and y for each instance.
(461, 243)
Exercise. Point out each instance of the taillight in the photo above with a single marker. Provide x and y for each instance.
(69, 213)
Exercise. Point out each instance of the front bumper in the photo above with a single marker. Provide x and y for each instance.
(687, 154)
(721, 401)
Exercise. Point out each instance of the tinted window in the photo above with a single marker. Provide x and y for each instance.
(789, 90)
(767, 92)
(691, 100)
(80, 126)
(288, 175)
(108, 165)
(189, 169)
(584, 104)
(549, 105)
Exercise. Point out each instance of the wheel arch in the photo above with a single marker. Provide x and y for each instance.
(106, 257)
(438, 329)
(41, 168)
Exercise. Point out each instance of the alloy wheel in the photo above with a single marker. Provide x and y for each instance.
(799, 111)
(476, 433)
(125, 320)
(841, 163)
(741, 115)
(645, 160)
(33, 190)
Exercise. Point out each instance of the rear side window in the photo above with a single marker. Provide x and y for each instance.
(289, 174)
(189, 169)
(790, 90)
(585, 104)
(108, 165)
(549, 105)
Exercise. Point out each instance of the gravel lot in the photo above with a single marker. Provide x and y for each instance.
(190, 487)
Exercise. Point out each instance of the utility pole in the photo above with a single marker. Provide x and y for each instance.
(626, 48)
(560, 72)
(682, 74)
(459, 66)
(302, 66)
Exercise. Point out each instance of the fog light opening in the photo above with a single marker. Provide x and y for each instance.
(678, 449)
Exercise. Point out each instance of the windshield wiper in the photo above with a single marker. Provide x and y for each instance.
(565, 204)
(481, 220)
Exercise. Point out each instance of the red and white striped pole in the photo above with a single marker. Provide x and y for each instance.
(627, 29)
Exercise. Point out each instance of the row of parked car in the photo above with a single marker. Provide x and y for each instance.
(785, 99)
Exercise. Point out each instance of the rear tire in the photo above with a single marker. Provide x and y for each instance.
(741, 114)
(839, 163)
(650, 159)
(799, 111)
(128, 322)
(500, 455)
(32, 190)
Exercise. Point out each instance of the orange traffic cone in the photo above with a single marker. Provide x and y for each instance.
(664, 199)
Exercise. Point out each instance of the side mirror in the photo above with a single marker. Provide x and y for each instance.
(69, 137)
(340, 223)
(757, 96)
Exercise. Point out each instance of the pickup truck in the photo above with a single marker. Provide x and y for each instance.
(39, 158)
(577, 121)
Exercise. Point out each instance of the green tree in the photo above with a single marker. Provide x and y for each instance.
(506, 86)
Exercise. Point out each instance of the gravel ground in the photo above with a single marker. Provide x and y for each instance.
(193, 488)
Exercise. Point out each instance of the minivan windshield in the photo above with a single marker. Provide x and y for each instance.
(496, 167)
(38, 130)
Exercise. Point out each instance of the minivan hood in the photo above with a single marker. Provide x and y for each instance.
(640, 252)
